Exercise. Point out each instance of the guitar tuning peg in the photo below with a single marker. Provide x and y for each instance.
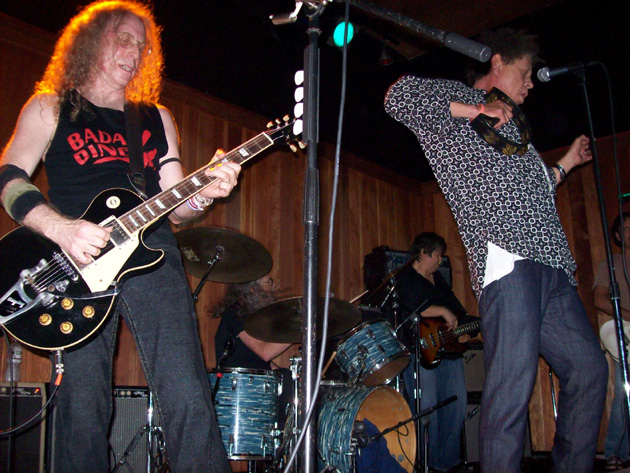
(269, 124)
(278, 122)
(293, 148)
(286, 118)
(301, 144)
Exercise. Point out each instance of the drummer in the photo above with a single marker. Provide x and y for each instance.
(424, 288)
(241, 301)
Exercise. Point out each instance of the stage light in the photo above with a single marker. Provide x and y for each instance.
(386, 58)
(338, 33)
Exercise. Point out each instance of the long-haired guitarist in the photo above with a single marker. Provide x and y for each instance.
(424, 288)
(109, 56)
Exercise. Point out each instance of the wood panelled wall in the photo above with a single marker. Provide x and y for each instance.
(375, 207)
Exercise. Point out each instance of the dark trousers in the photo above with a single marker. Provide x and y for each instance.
(535, 310)
(159, 311)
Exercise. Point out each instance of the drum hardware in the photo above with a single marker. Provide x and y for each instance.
(281, 322)
(229, 348)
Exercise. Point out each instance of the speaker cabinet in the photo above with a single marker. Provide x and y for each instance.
(474, 371)
(129, 424)
(470, 434)
(27, 446)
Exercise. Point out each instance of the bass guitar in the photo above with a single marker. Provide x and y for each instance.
(50, 301)
(436, 339)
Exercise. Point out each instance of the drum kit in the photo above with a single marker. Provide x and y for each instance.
(354, 413)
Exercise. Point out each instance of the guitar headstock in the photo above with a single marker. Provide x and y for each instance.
(288, 130)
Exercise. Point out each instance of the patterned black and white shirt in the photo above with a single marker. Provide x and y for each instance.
(505, 200)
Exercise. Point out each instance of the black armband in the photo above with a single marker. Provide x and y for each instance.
(8, 172)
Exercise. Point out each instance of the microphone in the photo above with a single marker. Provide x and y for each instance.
(229, 346)
(545, 74)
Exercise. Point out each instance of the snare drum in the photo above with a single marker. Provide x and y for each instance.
(247, 411)
(383, 406)
(370, 354)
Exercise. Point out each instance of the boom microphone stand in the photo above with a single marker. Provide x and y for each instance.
(614, 287)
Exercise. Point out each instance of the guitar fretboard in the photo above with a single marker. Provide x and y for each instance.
(464, 329)
(154, 208)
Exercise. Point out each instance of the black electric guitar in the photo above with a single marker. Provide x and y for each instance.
(50, 301)
(436, 339)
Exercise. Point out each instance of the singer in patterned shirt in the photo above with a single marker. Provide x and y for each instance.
(522, 271)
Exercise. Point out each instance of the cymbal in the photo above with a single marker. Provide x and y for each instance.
(244, 259)
(281, 322)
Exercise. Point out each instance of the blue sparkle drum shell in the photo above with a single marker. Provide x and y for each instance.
(246, 405)
(340, 406)
(370, 354)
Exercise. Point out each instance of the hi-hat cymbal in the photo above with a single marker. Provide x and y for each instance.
(281, 322)
(243, 260)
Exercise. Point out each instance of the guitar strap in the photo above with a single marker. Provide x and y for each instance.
(134, 145)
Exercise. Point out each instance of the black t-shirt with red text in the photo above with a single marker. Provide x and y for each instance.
(89, 155)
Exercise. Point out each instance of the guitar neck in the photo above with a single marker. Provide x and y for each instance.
(156, 207)
(467, 328)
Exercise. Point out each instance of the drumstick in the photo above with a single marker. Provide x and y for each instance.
(332, 357)
(359, 297)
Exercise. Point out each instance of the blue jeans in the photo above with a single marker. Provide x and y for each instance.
(535, 310)
(446, 424)
(616, 444)
(158, 310)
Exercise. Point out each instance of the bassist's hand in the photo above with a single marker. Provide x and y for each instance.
(450, 318)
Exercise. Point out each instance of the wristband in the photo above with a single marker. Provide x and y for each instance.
(20, 199)
(563, 173)
(8, 172)
(198, 203)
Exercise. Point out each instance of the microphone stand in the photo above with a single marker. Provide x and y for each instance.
(215, 259)
(308, 454)
(415, 318)
(614, 287)
(420, 415)
(229, 346)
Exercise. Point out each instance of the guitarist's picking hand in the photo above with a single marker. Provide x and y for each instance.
(81, 239)
(450, 319)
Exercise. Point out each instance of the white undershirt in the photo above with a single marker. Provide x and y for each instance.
(498, 264)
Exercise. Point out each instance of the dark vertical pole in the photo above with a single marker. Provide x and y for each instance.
(614, 287)
(308, 454)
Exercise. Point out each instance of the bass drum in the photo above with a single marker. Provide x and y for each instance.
(247, 411)
(383, 406)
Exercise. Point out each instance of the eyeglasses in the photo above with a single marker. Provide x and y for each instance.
(127, 40)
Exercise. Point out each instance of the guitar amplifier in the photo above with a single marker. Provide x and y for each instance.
(383, 260)
(28, 446)
(130, 424)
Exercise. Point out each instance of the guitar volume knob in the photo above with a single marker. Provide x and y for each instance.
(88, 312)
(66, 328)
(45, 319)
(67, 304)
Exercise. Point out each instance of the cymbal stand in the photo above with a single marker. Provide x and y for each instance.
(215, 259)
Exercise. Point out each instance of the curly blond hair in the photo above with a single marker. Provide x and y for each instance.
(76, 56)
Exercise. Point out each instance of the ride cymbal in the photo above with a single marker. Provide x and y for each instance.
(243, 258)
